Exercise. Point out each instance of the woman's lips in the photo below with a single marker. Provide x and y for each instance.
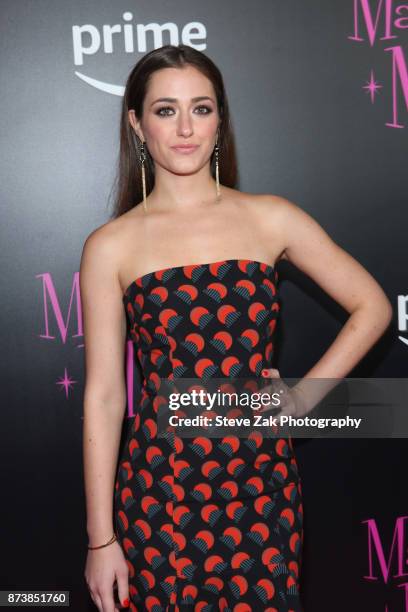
(185, 148)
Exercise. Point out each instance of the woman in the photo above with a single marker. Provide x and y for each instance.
(188, 269)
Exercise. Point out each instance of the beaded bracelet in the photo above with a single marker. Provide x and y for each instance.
(113, 539)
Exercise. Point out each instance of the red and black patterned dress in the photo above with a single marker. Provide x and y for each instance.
(207, 523)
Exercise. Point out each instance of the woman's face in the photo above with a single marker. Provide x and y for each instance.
(189, 116)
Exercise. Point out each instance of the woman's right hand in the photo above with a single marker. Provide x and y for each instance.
(105, 567)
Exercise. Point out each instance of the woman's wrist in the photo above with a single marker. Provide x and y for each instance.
(111, 540)
(303, 403)
(100, 535)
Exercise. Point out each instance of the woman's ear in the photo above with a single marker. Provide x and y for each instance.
(135, 123)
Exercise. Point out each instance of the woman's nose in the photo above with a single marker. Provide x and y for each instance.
(185, 124)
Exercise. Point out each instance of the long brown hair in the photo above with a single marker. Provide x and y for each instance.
(128, 181)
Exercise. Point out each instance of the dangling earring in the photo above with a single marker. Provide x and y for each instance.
(142, 158)
(217, 171)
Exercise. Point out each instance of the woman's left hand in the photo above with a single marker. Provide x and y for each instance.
(291, 400)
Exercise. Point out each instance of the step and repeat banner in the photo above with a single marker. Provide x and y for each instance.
(318, 93)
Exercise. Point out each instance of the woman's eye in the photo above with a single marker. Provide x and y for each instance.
(207, 109)
(163, 108)
(163, 111)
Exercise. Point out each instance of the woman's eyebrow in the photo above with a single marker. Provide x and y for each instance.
(196, 99)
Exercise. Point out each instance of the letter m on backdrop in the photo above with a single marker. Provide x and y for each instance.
(397, 552)
(52, 308)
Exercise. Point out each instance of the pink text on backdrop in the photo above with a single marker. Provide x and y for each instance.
(51, 304)
(388, 18)
(379, 567)
(52, 311)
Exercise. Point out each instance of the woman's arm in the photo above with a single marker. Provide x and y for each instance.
(105, 385)
(342, 277)
(104, 406)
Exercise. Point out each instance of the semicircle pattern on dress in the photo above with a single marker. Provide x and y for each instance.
(207, 523)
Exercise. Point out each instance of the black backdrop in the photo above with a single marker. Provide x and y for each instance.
(307, 128)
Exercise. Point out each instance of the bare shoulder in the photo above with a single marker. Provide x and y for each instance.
(294, 225)
(271, 214)
(271, 207)
(101, 242)
(267, 206)
(103, 251)
(308, 246)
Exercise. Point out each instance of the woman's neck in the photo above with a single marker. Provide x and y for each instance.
(182, 192)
